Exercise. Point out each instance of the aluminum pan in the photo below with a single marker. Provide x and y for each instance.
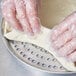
(29, 67)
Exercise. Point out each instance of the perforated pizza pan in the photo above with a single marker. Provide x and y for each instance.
(34, 58)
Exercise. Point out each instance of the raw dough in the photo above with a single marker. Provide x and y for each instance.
(41, 39)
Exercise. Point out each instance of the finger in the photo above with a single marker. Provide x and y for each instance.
(73, 29)
(63, 39)
(63, 26)
(68, 48)
(21, 13)
(72, 57)
(32, 13)
(9, 14)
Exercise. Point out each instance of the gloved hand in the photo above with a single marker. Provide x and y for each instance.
(22, 15)
(63, 38)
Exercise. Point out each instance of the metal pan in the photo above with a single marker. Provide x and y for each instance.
(34, 58)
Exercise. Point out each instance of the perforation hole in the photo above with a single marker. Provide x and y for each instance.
(22, 43)
(34, 45)
(37, 55)
(48, 59)
(12, 42)
(24, 46)
(15, 46)
(42, 50)
(61, 67)
(29, 59)
(46, 51)
(38, 63)
(18, 49)
(33, 61)
(21, 52)
(42, 57)
(54, 67)
(32, 52)
(28, 49)
(50, 66)
(24, 55)
(44, 65)
(54, 59)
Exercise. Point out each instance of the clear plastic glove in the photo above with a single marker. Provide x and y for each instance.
(22, 15)
(63, 38)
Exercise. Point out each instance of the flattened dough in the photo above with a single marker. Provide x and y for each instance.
(41, 39)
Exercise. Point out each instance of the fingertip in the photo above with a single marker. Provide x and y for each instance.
(27, 29)
(29, 33)
(36, 30)
(72, 57)
(36, 25)
(15, 26)
(54, 33)
(19, 28)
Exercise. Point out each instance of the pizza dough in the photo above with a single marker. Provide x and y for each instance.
(42, 39)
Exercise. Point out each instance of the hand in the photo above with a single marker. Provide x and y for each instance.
(63, 38)
(22, 15)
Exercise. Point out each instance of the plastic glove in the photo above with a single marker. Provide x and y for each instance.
(63, 38)
(22, 15)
